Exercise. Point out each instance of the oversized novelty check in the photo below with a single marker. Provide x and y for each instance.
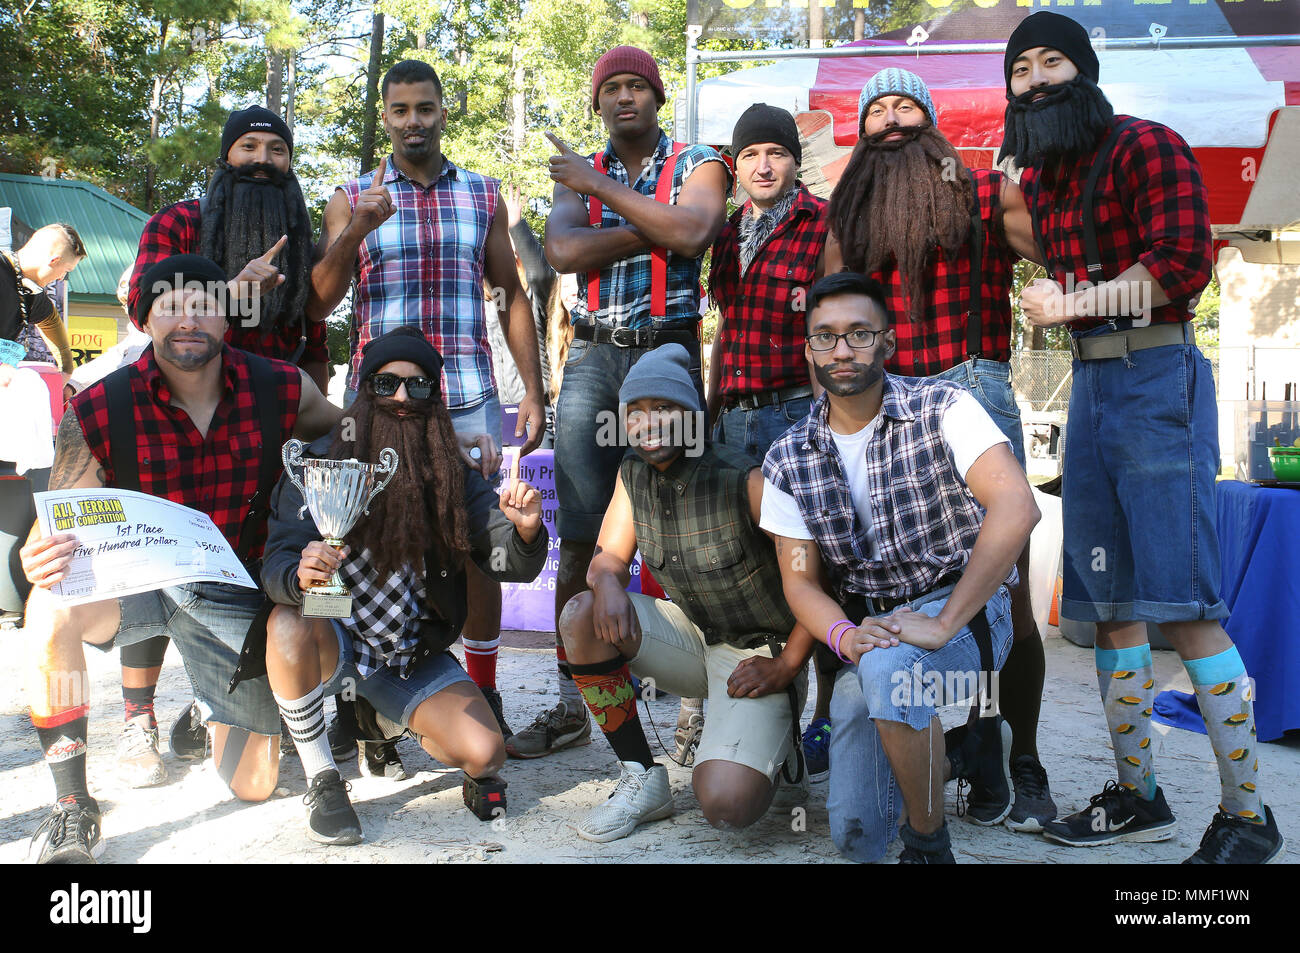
(130, 542)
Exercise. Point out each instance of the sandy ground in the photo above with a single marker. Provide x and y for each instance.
(420, 820)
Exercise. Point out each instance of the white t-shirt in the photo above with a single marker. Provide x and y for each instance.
(967, 430)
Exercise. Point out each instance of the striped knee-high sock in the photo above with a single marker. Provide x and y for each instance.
(306, 720)
(481, 661)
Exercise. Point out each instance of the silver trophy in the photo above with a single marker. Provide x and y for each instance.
(338, 493)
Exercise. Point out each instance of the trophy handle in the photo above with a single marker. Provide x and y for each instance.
(291, 455)
(386, 470)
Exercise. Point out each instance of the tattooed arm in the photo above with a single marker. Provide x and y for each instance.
(45, 558)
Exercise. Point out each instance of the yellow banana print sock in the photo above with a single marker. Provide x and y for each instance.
(1225, 694)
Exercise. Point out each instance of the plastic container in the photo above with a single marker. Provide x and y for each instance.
(1258, 425)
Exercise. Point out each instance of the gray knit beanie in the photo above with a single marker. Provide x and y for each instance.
(664, 373)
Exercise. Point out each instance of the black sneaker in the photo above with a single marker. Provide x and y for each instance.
(933, 848)
(1235, 840)
(330, 817)
(1116, 814)
(380, 759)
(1033, 806)
(70, 834)
(979, 759)
(494, 702)
(189, 736)
(343, 744)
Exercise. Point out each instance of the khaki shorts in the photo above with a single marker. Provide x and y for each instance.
(755, 732)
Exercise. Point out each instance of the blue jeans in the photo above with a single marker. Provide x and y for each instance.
(394, 697)
(483, 417)
(586, 464)
(1141, 457)
(864, 801)
(753, 432)
(207, 621)
(990, 382)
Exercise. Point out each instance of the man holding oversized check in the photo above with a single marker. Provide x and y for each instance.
(198, 424)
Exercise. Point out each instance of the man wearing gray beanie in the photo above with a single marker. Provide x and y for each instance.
(719, 637)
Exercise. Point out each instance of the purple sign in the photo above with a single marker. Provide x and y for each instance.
(530, 606)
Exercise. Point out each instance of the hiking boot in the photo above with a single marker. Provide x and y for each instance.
(343, 743)
(189, 736)
(379, 759)
(642, 794)
(1234, 840)
(1034, 806)
(933, 848)
(70, 834)
(550, 731)
(817, 749)
(687, 738)
(330, 817)
(980, 761)
(1116, 814)
(138, 761)
(494, 702)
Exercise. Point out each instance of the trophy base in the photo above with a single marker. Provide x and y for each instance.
(326, 605)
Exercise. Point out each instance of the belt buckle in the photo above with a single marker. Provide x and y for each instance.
(614, 337)
(1074, 348)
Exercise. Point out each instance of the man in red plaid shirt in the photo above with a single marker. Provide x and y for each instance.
(1138, 503)
(198, 442)
(905, 213)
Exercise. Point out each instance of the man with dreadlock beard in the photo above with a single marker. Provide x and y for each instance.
(904, 213)
(1123, 217)
(405, 564)
(252, 216)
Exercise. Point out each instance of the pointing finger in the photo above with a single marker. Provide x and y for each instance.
(380, 172)
(558, 142)
(275, 249)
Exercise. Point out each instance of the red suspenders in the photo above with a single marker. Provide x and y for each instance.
(658, 256)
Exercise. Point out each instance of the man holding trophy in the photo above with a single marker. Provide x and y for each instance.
(378, 613)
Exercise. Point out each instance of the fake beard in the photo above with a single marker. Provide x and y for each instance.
(1068, 120)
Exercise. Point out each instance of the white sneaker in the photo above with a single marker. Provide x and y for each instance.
(138, 761)
(641, 795)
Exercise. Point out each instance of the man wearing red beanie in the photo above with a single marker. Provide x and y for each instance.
(634, 220)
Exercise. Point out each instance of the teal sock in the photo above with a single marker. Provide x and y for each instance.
(1127, 689)
(1225, 694)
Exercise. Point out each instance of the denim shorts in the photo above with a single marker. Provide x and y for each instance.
(586, 467)
(864, 801)
(753, 432)
(207, 621)
(990, 382)
(1141, 457)
(394, 697)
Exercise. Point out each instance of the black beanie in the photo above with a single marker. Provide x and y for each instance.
(253, 119)
(400, 344)
(177, 272)
(1057, 32)
(764, 123)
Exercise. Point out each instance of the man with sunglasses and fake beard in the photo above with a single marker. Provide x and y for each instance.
(405, 563)
(253, 223)
(1122, 214)
(905, 214)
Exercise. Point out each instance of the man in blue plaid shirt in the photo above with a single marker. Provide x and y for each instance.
(918, 510)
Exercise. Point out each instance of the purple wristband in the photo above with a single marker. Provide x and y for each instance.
(835, 634)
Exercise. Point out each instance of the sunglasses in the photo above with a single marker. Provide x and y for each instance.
(417, 388)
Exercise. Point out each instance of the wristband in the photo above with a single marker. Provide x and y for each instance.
(835, 634)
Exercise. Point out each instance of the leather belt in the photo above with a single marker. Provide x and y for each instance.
(1098, 347)
(634, 337)
(769, 398)
(882, 605)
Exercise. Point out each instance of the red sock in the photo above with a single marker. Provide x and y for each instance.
(481, 661)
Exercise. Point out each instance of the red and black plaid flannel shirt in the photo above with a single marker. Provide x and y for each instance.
(217, 473)
(1151, 207)
(762, 343)
(937, 341)
(175, 231)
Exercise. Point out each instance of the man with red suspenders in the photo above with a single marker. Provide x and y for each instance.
(635, 219)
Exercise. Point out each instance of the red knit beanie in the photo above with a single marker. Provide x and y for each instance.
(626, 59)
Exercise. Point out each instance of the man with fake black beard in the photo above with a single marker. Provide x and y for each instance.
(918, 510)
(252, 222)
(909, 214)
(1138, 494)
(405, 563)
(693, 513)
(198, 423)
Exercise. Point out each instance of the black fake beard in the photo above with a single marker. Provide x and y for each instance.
(1068, 121)
(244, 217)
(867, 375)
